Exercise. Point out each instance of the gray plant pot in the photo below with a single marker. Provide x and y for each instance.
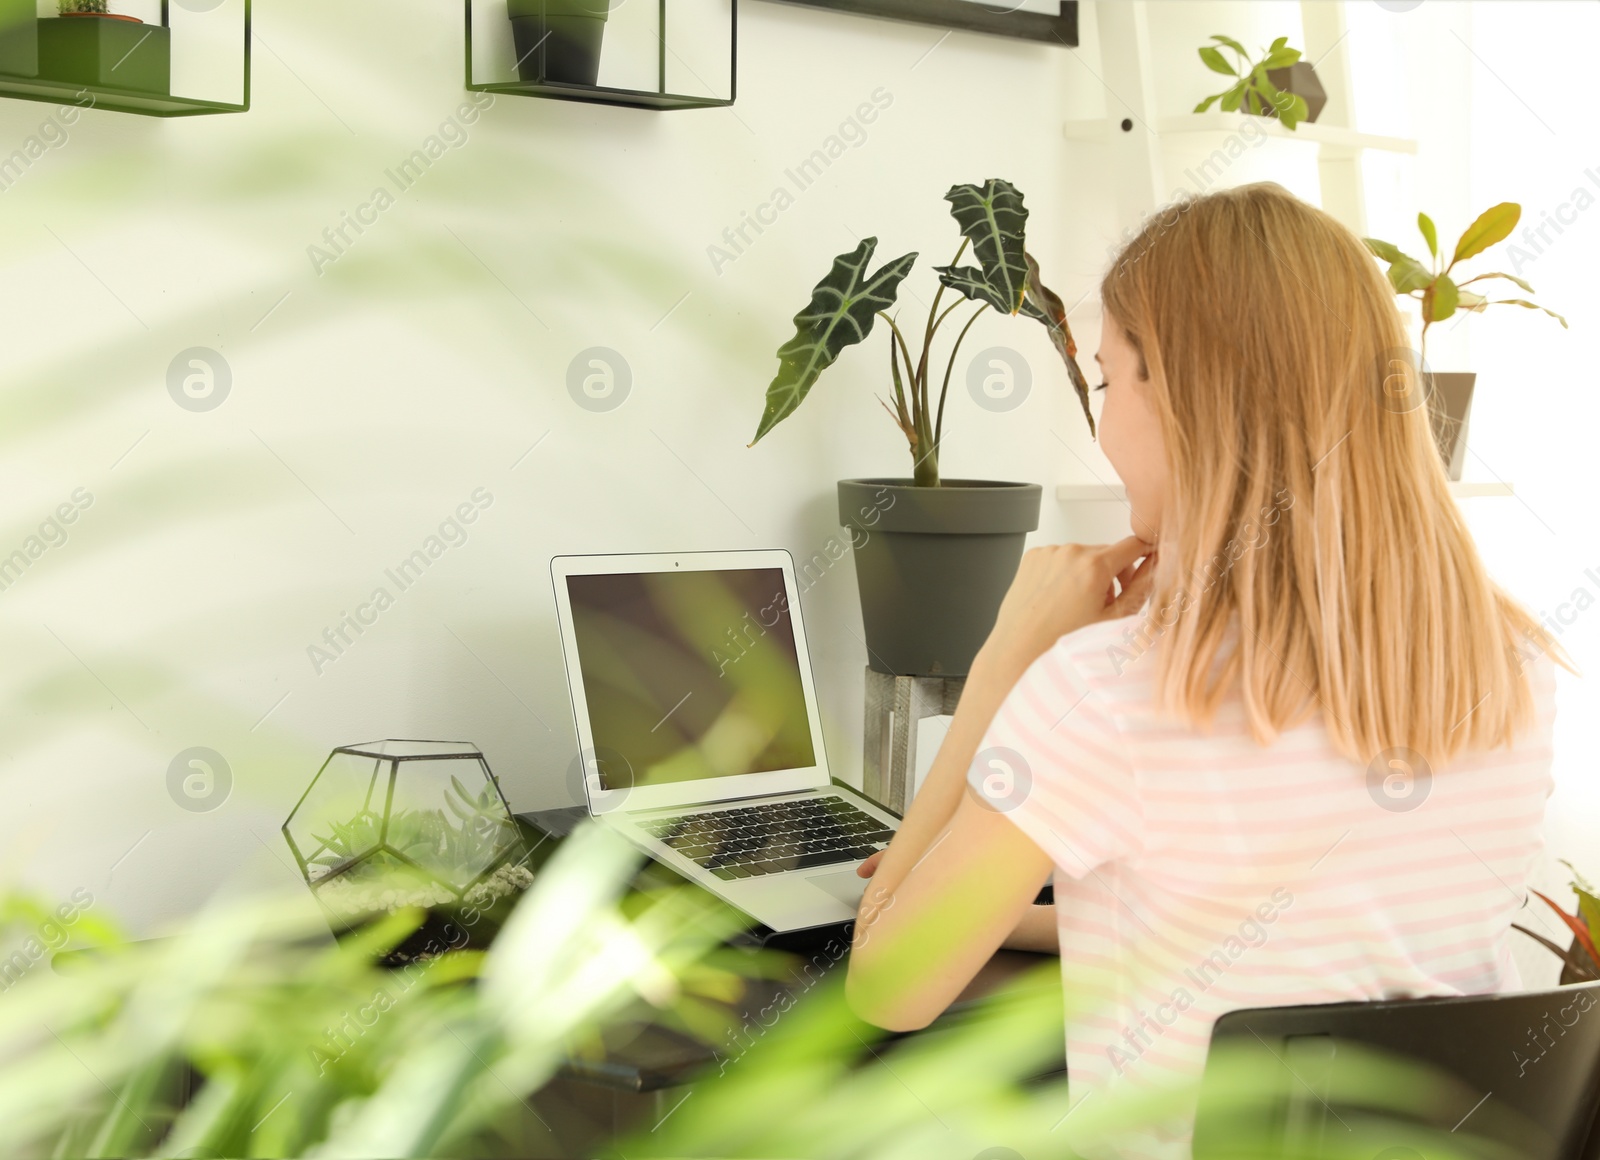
(1449, 409)
(1301, 80)
(933, 564)
(558, 40)
(106, 52)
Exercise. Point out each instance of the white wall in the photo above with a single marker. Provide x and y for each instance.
(1533, 141)
(372, 398)
(423, 364)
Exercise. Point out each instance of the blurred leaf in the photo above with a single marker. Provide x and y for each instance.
(1385, 250)
(1216, 62)
(1429, 234)
(1208, 102)
(1492, 225)
(1293, 111)
(1497, 274)
(1579, 928)
(1407, 275)
(1233, 44)
(1531, 306)
(1577, 963)
(1232, 98)
(1439, 300)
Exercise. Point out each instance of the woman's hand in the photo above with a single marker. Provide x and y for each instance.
(1059, 589)
(870, 867)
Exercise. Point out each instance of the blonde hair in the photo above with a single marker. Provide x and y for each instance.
(1281, 370)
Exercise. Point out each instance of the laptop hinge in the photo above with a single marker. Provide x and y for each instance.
(773, 797)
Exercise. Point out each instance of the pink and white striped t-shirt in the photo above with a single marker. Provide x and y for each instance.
(1197, 873)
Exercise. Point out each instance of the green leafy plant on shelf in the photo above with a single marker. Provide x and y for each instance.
(1582, 959)
(1432, 283)
(1253, 91)
(846, 303)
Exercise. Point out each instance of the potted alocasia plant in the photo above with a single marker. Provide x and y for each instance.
(934, 556)
(558, 40)
(1441, 295)
(87, 44)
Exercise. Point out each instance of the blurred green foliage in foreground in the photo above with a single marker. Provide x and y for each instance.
(290, 1047)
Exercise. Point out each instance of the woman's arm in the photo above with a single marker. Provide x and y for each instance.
(958, 877)
(1035, 931)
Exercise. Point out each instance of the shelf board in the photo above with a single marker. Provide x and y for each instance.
(111, 99)
(1331, 139)
(1116, 493)
(601, 95)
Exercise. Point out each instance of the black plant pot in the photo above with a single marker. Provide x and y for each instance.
(1301, 80)
(1449, 409)
(933, 564)
(105, 51)
(558, 40)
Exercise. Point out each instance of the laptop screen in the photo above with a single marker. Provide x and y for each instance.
(689, 674)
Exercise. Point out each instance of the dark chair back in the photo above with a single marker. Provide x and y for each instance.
(1484, 1075)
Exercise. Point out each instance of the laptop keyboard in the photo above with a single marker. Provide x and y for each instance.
(773, 837)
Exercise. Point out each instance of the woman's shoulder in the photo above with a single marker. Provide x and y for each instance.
(1108, 650)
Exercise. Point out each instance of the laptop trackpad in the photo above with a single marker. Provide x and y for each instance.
(845, 885)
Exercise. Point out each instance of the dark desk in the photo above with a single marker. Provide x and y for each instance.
(644, 1069)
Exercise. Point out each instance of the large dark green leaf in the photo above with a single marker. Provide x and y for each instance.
(841, 313)
(993, 219)
(1493, 225)
(1045, 304)
(971, 282)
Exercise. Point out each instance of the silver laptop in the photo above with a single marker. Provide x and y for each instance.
(698, 727)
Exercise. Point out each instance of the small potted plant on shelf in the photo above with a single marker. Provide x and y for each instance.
(1449, 394)
(1581, 961)
(87, 44)
(934, 556)
(558, 40)
(19, 38)
(1278, 84)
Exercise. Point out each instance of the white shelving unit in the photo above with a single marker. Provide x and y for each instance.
(1134, 128)
(1332, 141)
(1116, 493)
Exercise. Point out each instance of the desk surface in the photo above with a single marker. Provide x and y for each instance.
(640, 1055)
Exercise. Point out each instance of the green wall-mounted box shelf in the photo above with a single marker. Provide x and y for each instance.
(120, 65)
(605, 52)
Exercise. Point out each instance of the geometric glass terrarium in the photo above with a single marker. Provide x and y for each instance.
(393, 824)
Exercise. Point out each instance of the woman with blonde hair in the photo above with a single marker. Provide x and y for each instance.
(1286, 744)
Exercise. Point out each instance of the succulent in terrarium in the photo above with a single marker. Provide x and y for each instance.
(391, 825)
